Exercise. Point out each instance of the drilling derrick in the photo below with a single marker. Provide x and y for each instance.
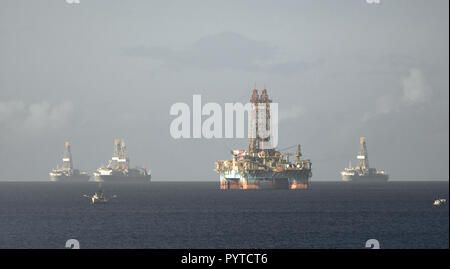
(261, 165)
(67, 159)
(260, 129)
(363, 156)
(252, 147)
(123, 158)
(116, 154)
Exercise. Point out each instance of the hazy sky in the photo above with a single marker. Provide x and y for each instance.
(105, 69)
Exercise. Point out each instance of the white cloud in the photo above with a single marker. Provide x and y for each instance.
(9, 110)
(415, 88)
(384, 104)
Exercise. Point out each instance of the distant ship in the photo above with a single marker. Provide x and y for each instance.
(363, 173)
(262, 166)
(119, 170)
(67, 173)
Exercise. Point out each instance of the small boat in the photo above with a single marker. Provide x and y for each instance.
(439, 202)
(99, 197)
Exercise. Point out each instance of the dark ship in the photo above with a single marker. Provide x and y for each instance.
(262, 166)
(119, 170)
(363, 173)
(67, 172)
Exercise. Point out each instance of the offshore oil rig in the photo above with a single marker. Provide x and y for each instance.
(261, 166)
(363, 173)
(67, 172)
(119, 169)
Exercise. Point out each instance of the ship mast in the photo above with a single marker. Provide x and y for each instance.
(363, 156)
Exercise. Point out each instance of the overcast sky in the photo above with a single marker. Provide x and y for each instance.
(104, 69)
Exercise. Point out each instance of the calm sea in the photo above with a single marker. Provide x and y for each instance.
(198, 215)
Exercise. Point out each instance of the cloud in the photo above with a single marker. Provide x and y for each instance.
(383, 105)
(9, 110)
(415, 88)
(36, 117)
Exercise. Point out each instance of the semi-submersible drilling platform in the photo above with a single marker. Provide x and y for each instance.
(262, 166)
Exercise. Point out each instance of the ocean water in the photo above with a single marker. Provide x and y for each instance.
(198, 215)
